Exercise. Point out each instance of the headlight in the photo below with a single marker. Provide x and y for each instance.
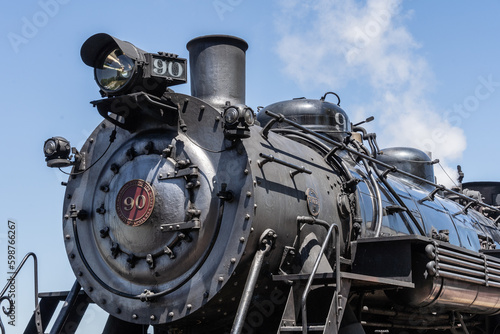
(49, 147)
(237, 120)
(249, 117)
(57, 151)
(231, 115)
(115, 72)
(121, 68)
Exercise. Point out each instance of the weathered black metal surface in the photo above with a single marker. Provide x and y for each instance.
(165, 207)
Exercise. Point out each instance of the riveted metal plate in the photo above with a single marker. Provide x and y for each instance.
(313, 204)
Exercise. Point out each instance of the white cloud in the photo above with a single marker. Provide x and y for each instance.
(332, 43)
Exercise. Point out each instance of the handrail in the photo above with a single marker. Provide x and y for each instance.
(342, 146)
(9, 298)
(332, 230)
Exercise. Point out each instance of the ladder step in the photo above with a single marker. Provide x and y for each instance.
(304, 277)
(285, 329)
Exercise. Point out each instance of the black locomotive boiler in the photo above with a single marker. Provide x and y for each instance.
(193, 214)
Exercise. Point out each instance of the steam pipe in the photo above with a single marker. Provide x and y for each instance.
(266, 241)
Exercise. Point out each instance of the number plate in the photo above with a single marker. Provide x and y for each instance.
(173, 69)
(135, 202)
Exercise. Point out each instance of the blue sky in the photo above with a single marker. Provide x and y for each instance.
(428, 71)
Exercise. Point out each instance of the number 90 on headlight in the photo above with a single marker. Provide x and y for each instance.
(120, 67)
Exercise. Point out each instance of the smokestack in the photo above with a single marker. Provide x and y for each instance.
(217, 64)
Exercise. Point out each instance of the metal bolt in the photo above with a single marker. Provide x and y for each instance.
(170, 314)
(249, 194)
(247, 216)
(245, 171)
(233, 260)
(135, 316)
(242, 239)
(67, 236)
(189, 306)
(152, 317)
(115, 168)
(221, 279)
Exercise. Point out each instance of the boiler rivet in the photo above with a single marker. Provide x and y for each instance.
(135, 316)
(67, 236)
(242, 239)
(152, 317)
(170, 314)
(249, 194)
(221, 279)
(247, 216)
(189, 306)
(233, 260)
(245, 171)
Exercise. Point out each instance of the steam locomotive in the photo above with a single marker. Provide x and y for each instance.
(194, 214)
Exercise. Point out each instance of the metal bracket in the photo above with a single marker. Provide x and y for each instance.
(431, 195)
(270, 158)
(190, 171)
(465, 209)
(190, 224)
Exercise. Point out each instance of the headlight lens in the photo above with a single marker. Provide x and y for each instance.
(115, 72)
(50, 147)
(231, 115)
(249, 118)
